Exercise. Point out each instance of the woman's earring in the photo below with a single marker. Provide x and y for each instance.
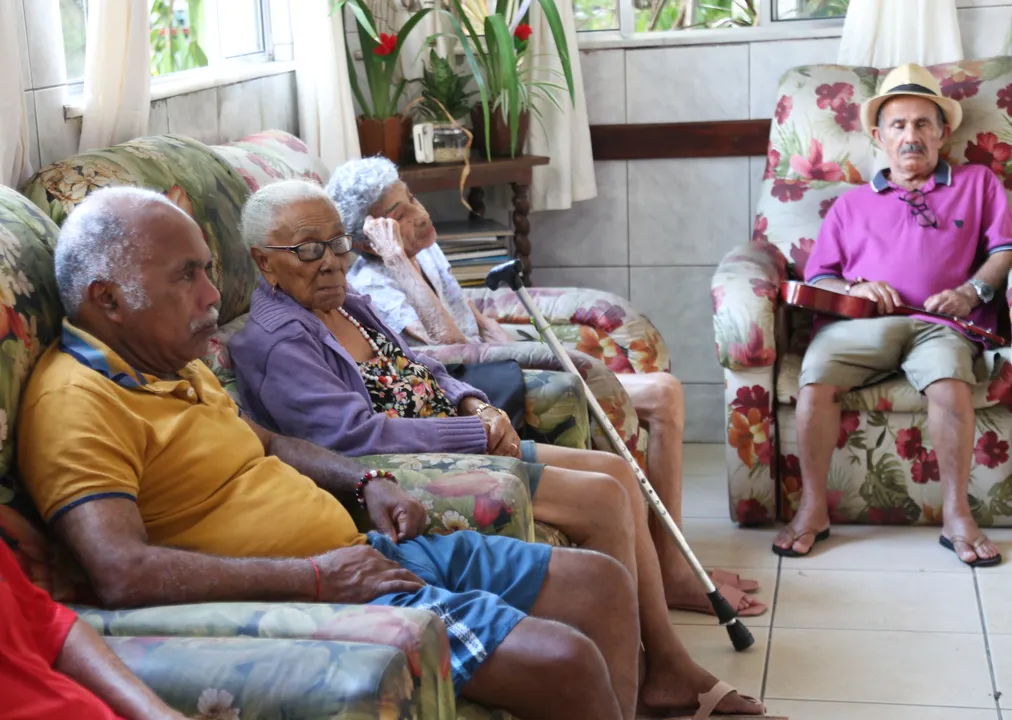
(274, 289)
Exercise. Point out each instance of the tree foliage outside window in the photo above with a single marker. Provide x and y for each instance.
(662, 15)
(177, 29)
(75, 29)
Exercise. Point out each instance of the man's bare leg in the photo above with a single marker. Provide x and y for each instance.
(671, 678)
(543, 668)
(951, 424)
(818, 420)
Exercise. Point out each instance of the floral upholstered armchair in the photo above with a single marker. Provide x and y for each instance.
(884, 469)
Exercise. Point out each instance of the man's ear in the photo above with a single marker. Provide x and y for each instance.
(946, 133)
(876, 135)
(106, 298)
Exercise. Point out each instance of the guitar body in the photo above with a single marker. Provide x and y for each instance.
(827, 302)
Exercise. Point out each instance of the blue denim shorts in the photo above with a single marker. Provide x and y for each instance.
(480, 586)
(529, 456)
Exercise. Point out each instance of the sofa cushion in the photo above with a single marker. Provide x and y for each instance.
(270, 156)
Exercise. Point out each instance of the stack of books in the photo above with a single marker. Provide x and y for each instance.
(474, 247)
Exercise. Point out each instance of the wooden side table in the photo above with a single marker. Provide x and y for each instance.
(515, 171)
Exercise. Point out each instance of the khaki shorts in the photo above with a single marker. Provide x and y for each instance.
(855, 353)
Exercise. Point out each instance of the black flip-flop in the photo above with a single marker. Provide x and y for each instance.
(792, 553)
(979, 562)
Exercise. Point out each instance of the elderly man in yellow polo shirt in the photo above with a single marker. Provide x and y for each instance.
(137, 457)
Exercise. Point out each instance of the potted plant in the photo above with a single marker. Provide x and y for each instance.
(503, 68)
(382, 129)
(444, 102)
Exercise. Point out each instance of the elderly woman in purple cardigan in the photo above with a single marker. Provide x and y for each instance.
(316, 362)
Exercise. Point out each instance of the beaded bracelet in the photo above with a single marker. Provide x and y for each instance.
(368, 478)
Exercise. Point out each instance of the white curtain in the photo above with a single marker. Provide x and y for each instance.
(117, 73)
(887, 33)
(326, 111)
(15, 166)
(569, 177)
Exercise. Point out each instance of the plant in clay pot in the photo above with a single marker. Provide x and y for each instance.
(382, 129)
(445, 102)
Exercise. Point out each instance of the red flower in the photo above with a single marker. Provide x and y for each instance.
(887, 516)
(849, 422)
(772, 163)
(523, 32)
(1005, 99)
(1000, 389)
(884, 405)
(717, 296)
(800, 254)
(960, 86)
(751, 512)
(487, 510)
(990, 451)
(16, 325)
(763, 289)
(908, 443)
(833, 96)
(813, 168)
(600, 316)
(751, 398)
(789, 190)
(759, 229)
(833, 500)
(925, 468)
(387, 44)
(752, 353)
(848, 116)
(784, 107)
(825, 205)
(989, 152)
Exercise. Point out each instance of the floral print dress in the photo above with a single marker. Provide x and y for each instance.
(399, 387)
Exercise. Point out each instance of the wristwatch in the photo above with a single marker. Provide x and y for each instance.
(984, 291)
(485, 406)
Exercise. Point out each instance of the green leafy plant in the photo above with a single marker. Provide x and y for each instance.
(379, 56)
(440, 85)
(501, 61)
(175, 45)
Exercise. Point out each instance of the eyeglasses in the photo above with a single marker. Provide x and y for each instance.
(312, 250)
(919, 209)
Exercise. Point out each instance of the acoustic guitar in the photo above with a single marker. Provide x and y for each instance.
(850, 307)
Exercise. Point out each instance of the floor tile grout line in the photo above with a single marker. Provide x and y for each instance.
(872, 702)
(987, 645)
(769, 632)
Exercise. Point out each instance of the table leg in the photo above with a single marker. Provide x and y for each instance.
(522, 226)
(476, 199)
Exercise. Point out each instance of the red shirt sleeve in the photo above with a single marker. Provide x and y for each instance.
(46, 622)
(996, 223)
(827, 260)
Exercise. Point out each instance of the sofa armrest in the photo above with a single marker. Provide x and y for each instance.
(744, 292)
(601, 324)
(259, 679)
(418, 635)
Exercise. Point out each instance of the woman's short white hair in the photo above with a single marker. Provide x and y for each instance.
(358, 185)
(260, 213)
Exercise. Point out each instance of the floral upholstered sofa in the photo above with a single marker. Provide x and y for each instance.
(605, 333)
(884, 469)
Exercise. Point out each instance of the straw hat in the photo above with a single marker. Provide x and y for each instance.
(912, 80)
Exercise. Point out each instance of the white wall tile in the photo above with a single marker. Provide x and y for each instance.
(687, 84)
(757, 166)
(284, 52)
(677, 301)
(768, 61)
(22, 31)
(610, 279)
(687, 211)
(281, 21)
(33, 131)
(985, 31)
(239, 110)
(158, 118)
(604, 85)
(279, 103)
(45, 42)
(591, 233)
(195, 115)
(705, 414)
(58, 138)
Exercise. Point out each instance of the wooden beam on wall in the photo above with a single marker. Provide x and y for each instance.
(733, 138)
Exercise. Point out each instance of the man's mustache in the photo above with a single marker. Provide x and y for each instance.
(907, 148)
(205, 323)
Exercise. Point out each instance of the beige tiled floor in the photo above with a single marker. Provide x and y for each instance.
(878, 624)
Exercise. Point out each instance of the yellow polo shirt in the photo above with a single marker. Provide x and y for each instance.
(92, 427)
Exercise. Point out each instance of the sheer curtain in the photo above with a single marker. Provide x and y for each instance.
(14, 157)
(569, 177)
(117, 73)
(326, 111)
(887, 33)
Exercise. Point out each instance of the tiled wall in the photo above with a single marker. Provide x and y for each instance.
(658, 228)
(211, 116)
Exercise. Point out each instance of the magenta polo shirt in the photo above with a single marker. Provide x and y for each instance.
(872, 234)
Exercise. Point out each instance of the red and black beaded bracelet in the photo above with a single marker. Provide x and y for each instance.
(368, 478)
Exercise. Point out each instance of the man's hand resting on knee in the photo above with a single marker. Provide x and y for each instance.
(360, 574)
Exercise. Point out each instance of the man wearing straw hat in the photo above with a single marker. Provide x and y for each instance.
(923, 234)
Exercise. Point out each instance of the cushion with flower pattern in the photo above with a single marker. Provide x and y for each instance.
(270, 156)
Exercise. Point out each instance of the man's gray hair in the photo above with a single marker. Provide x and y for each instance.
(99, 242)
(260, 213)
(358, 185)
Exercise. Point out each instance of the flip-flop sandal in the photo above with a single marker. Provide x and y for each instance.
(733, 595)
(708, 703)
(725, 577)
(791, 552)
(949, 544)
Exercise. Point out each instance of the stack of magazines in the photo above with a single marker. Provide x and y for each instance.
(473, 248)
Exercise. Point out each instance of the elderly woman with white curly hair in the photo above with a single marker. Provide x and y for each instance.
(408, 280)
